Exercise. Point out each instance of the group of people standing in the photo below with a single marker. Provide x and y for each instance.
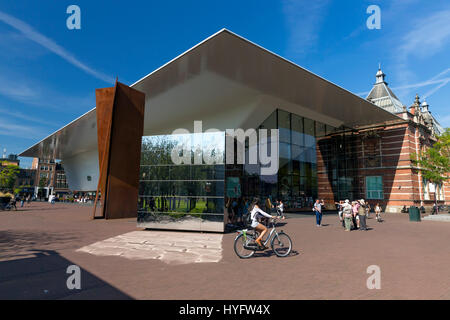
(24, 198)
(354, 215)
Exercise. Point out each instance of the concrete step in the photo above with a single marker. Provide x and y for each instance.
(438, 217)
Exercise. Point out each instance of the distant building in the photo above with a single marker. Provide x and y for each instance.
(26, 180)
(12, 159)
(50, 177)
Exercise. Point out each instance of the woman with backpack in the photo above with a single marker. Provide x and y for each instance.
(347, 213)
(255, 213)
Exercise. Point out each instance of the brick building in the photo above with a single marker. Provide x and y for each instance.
(374, 162)
(50, 177)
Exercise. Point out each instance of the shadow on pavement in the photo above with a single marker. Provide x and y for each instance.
(44, 276)
(270, 253)
(16, 244)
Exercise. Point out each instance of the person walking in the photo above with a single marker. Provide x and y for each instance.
(229, 211)
(268, 205)
(378, 212)
(347, 213)
(280, 209)
(318, 210)
(355, 207)
(22, 201)
(362, 215)
(340, 207)
(368, 207)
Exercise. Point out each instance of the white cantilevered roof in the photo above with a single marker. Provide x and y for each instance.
(228, 82)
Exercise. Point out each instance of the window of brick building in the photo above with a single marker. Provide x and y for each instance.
(426, 190)
(374, 187)
(440, 192)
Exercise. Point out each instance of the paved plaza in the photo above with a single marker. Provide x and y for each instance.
(120, 261)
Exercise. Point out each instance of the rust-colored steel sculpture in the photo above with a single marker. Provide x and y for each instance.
(120, 125)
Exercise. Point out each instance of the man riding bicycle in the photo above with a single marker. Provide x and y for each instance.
(255, 213)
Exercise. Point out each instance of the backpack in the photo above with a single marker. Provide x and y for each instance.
(247, 218)
(347, 211)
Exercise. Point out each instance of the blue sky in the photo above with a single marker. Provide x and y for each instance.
(48, 73)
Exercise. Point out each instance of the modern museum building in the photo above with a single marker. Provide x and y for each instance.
(225, 82)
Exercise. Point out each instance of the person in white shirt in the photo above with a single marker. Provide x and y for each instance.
(280, 208)
(255, 213)
(317, 208)
(378, 212)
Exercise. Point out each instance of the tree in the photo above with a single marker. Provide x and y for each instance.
(8, 176)
(444, 143)
(43, 182)
(435, 161)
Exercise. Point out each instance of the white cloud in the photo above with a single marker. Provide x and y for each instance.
(8, 128)
(303, 19)
(23, 116)
(426, 38)
(16, 90)
(445, 81)
(49, 44)
(440, 83)
(19, 88)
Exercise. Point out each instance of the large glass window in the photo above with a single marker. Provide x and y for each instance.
(440, 192)
(426, 193)
(296, 180)
(374, 187)
(189, 195)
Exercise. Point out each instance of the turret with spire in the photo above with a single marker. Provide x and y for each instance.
(416, 104)
(380, 76)
(425, 106)
(382, 96)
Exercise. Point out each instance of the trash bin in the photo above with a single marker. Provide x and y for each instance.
(414, 213)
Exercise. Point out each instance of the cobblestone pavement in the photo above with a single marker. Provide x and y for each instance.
(39, 242)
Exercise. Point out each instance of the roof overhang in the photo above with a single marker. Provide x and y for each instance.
(227, 82)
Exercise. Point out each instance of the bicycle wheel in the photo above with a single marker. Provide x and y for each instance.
(239, 248)
(281, 244)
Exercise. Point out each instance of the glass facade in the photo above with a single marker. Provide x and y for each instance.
(200, 195)
(296, 182)
(340, 162)
(182, 196)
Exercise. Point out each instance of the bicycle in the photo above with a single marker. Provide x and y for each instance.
(245, 245)
(10, 205)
